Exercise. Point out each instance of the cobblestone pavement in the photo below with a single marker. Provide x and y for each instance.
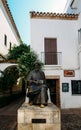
(70, 118)
(8, 115)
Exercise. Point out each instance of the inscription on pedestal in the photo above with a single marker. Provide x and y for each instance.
(38, 120)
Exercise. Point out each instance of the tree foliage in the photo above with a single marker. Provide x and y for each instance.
(26, 63)
(17, 51)
(25, 58)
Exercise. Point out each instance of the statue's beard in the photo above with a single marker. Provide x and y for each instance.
(37, 69)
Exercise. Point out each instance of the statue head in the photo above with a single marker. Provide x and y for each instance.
(37, 65)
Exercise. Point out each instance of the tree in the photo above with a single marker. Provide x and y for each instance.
(26, 63)
(17, 51)
(25, 58)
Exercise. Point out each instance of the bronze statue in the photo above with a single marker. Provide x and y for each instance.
(37, 88)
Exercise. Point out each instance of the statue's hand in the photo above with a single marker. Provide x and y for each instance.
(33, 81)
(36, 82)
(39, 82)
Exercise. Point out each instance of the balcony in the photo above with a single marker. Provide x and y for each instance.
(51, 58)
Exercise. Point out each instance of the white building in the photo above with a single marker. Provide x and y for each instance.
(9, 35)
(56, 39)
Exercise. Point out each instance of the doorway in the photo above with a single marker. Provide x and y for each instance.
(54, 89)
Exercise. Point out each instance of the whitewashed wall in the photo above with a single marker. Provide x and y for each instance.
(78, 5)
(75, 8)
(79, 44)
(66, 32)
(7, 29)
(76, 99)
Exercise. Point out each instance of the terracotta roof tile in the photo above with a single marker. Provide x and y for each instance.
(44, 15)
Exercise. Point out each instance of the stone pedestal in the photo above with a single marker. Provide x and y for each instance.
(36, 118)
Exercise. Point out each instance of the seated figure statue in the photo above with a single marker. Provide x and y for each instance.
(37, 88)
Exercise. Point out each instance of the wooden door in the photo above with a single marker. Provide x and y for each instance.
(50, 49)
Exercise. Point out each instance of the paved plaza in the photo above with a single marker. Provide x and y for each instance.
(70, 118)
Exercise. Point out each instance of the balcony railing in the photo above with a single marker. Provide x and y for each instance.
(51, 58)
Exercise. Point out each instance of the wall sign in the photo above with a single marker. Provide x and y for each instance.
(69, 73)
(65, 87)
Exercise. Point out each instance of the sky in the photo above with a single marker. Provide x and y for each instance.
(20, 11)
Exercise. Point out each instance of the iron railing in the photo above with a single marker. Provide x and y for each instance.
(51, 58)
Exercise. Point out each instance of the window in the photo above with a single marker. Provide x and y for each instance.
(65, 87)
(5, 40)
(50, 49)
(10, 45)
(79, 36)
(76, 86)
